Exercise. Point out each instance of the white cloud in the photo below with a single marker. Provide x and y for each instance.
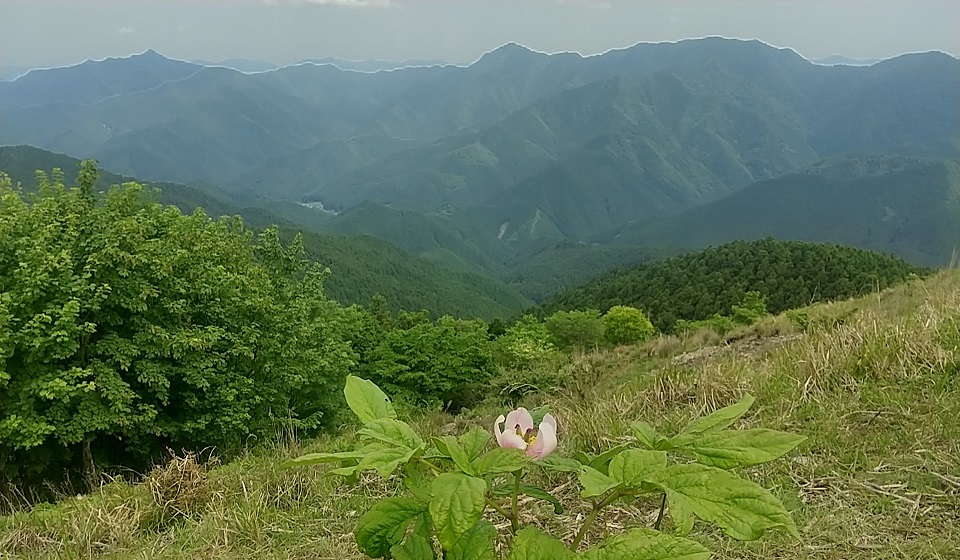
(125, 30)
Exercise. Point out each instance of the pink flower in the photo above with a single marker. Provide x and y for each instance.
(518, 433)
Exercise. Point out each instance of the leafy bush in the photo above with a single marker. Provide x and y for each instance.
(524, 345)
(128, 327)
(430, 364)
(575, 330)
(626, 325)
(452, 481)
(752, 307)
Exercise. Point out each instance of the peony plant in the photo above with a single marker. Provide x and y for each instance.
(454, 483)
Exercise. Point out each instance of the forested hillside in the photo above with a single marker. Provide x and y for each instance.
(787, 274)
(520, 145)
(906, 206)
(362, 266)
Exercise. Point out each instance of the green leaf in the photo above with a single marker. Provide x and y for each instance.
(601, 461)
(721, 418)
(366, 400)
(449, 446)
(533, 544)
(476, 544)
(645, 434)
(743, 509)
(506, 489)
(594, 482)
(419, 542)
(727, 449)
(633, 466)
(646, 544)
(390, 431)
(385, 524)
(683, 519)
(500, 460)
(559, 464)
(538, 414)
(457, 504)
(474, 442)
(386, 459)
(414, 547)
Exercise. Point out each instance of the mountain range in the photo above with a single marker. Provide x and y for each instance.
(525, 156)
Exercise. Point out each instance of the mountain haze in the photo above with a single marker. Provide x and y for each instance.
(473, 166)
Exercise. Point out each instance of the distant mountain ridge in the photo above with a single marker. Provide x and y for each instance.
(890, 204)
(519, 148)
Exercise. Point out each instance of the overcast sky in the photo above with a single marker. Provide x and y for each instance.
(47, 33)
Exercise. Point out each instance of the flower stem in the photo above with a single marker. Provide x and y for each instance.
(497, 508)
(663, 504)
(515, 517)
(592, 516)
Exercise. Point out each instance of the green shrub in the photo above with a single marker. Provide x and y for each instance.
(575, 330)
(626, 325)
(524, 345)
(430, 364)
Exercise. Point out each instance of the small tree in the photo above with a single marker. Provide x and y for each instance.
(524, 344)
(626, 325)
(432, 363)
(572, 330)
(752, 307)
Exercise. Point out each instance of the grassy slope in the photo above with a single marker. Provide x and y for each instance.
(874, 383)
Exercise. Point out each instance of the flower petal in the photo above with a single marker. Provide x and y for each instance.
(546, 439)
(519, 417)
(508, 438)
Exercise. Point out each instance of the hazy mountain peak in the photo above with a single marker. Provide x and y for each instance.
(506, 52)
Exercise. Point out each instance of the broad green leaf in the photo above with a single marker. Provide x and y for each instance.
(645, 434)
(594, 482)
(533, 544)
(386, 460)
(506, 489)
(366, 400)
(633, 466)
(457, 504)
(390, 431)
(601, 461)
(559, 464)
(385, 524)
(414, 547)
(727, 449)
(418, 545)
(538, 414)
(719, 419)
(683, 519)
(646, 544)
(500, 460)
(742, 508)
(476, 544)
(449, 446)
(474, 442)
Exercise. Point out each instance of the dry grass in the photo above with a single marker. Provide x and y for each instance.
(874, 383)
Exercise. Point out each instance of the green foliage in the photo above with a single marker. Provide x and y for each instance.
(626, 325)
(129, 326)
(914, 210)
(451, 488)
(361, 266)
(432, 363)
(750, 309)
(524, 345)
(575, 330)
(697, 286)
